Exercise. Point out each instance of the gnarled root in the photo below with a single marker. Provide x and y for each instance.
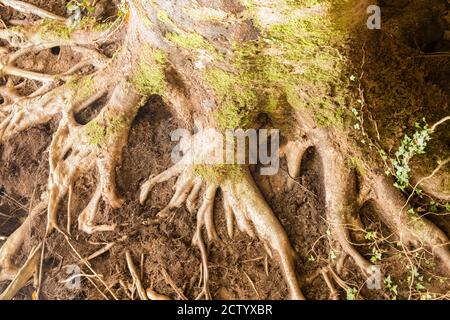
(22, 113)
(25, 7)
(251, 211)
(18, 113)
(8, 270)
(76, 149)
(341, 200)
(242, 200)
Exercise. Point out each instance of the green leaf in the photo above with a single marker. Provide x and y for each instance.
(351, 294)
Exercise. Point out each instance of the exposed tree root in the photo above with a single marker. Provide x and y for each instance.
(76, 149)
(340, 196)
(248, 205)
(19, 113)
(153, 295)
(24, 274)
(242, 200)
(343, 203)
(293, 151)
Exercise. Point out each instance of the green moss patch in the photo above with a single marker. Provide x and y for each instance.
(100, 133)
(149, 78)
(82, 86)
(293, 65)
(57, 30)
(218, 173)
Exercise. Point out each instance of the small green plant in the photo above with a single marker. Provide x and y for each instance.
(447, 206)
(357, 115)
(391, 287)
(352, 293)
(376, 255)
(417, 278)
(82, 5)
(426, 296)
(433, 207)
(420, 286)
(371, 235)
(407, 150)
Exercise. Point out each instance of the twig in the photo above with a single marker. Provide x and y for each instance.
(5, 215)
(96, 287)
(252, 284)
(41, 263)
(89, 266)
(135, 275)
(142, 267)
(173, 285)
(300, 185)
(71, 278)
(125, 289)
(433, 128)
(436, 170)
(333, 292)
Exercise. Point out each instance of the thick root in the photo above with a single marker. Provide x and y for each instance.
(242, 200)
(340, 198)
(342, 203)
(77, 149)
(24, 274)
(8, 270)
(153, 295)
(250, 206)
(411, 229)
